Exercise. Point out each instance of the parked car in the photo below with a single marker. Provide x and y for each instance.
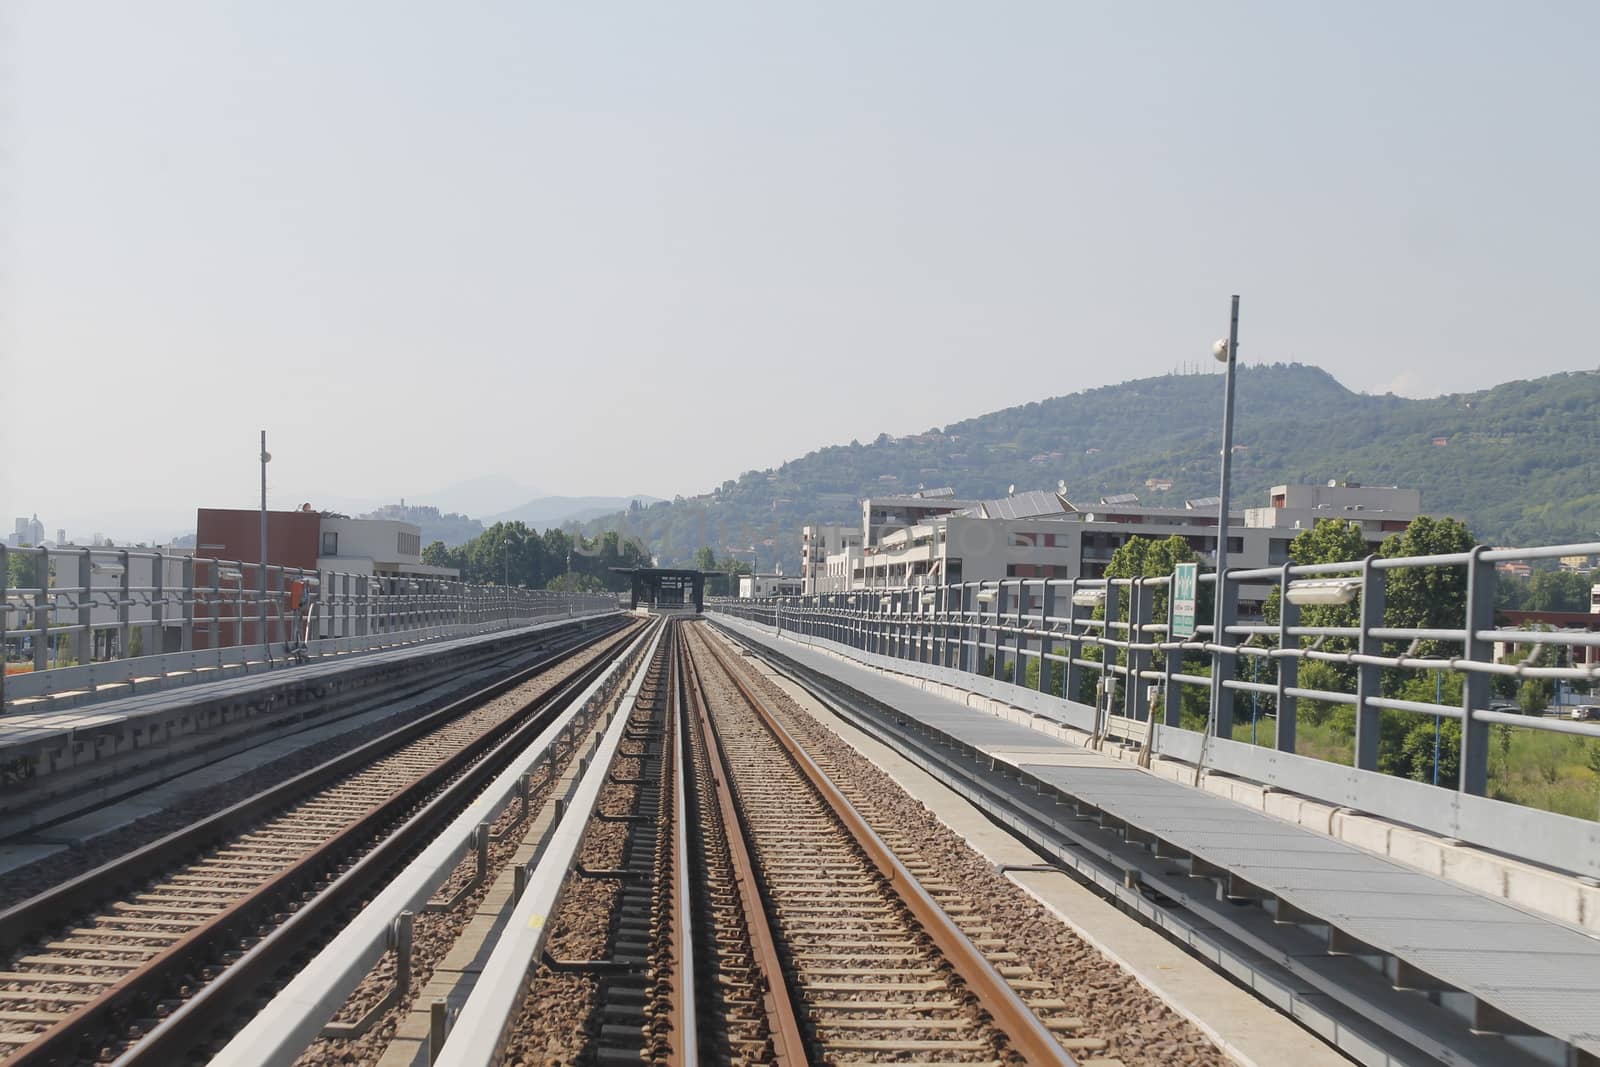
(1585, 712)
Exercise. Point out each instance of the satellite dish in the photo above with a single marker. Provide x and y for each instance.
(1011, 490)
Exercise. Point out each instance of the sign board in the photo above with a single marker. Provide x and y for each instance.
(1185, 577)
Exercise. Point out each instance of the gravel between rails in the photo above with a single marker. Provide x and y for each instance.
(559, 1022)
(1138, 1027)
(23, 882)
(563, 1011)
(434, 934)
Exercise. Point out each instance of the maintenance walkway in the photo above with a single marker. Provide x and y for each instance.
(102, 750)
(1523, 972)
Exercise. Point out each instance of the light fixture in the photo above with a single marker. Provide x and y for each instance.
(987, 596)
(1089, 598)
(230, 574)
(106, 567)
(1303, 591)
(929, 598)
(886, 603)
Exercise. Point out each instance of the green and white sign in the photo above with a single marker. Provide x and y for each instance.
(1185, 577)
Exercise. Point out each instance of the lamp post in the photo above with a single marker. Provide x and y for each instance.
(505, 579)
(1226, 352)
(266, 457)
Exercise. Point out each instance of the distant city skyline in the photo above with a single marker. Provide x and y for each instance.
(605, 251)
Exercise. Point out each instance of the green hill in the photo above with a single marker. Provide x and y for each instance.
(1519, 462)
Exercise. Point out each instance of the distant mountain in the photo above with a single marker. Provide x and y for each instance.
(544, 512)
(484, 495)
(451, 528)
(1516, 462)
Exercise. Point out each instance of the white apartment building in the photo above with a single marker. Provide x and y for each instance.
(763, 585)
(820, 542)
(383, 547)
(881, 515)
(1041, 534)
(1380, 509)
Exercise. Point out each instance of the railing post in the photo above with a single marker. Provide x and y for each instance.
(186, 615)
(1171, 663)
(158, 602)
(124, 594)
(1019, 672)
(1369, 678)
(5, 617)
(1136, 702)
(1222, 663)
(1475, 686)
(1047, 608)
(42, 610)
(1108, 652)
(1071, 673)
(85, 642)
(1002, 599)
(214, 619)
(1288, 667)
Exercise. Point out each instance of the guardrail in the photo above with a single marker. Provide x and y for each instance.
(1100, 654)
(81, 616)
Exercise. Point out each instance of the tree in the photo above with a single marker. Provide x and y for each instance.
(1141, 557)
(438, 554)
(576, 583)
(1328, 541)
(1427, 597)
(22, 570)
(1416, 752)
(1558, 591)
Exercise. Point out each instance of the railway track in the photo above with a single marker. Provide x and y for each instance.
(95, 963)
(874, 968)
(697, 886)
(753, 919)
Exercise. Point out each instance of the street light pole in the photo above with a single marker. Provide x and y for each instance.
(1229, 357)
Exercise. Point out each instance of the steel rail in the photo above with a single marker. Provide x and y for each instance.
(1023, 1029)
(783, 1024)
(683, 1039)
(199, 946)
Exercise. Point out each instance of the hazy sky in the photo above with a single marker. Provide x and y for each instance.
(604, 248)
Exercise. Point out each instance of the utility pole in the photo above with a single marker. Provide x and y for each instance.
(266, 457)
(1230, 358)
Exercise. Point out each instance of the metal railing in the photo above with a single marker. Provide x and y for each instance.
(80, 616)
(1093, 653)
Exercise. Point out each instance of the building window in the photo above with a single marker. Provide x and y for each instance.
(330, 543)
(408, 544)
